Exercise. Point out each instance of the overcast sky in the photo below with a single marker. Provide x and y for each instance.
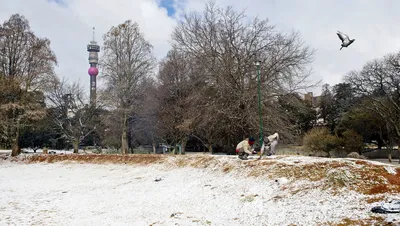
(375, 24)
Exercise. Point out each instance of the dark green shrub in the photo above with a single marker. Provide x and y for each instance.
(352, 141)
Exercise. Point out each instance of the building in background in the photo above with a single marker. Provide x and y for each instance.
(312, 100)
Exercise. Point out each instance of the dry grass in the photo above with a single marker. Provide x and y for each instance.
(312, 172)
(358, 175)
(257, 169)
(378, 189)
(376, 180)
(372, 220)
(361, 162)
(393, 179)
(374, 199)
(302, 188)
(368, 179)
(227, 167)
(201, 161)
(180, 162)
(191, 161)
(98, 159)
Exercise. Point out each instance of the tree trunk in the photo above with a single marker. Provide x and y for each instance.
(389, 147)
(124, 141)
(76, 146)
(16, 150)
(154, 147)
(183, 145)
(329, 154)
(210, 148)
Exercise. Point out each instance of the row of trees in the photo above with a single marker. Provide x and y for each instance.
(365, 105)
(204, 89)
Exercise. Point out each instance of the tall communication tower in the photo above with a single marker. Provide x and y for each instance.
(93, 71)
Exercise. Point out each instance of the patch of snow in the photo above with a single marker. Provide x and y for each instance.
(282, 181)
(390, 170)
(393, 219)
(304, 160)
(28, 151)
(40, 151)
(90, 194)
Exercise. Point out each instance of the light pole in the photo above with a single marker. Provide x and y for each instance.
(258, 64)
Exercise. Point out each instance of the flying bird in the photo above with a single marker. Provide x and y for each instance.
(346, 41)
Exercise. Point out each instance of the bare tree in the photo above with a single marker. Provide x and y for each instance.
(225, 47)
(177, 110)
(143, 128)
(127, 61)
(26, 67)
(74, 118)
(379, 82)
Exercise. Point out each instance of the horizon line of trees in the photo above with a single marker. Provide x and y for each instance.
(205, 89)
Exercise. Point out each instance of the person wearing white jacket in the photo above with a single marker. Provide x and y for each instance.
(270, 142)
(245, 148)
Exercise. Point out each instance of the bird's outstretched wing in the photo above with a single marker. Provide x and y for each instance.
(342, 36)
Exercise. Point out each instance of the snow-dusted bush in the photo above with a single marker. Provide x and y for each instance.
(111, 151)
(319, 139)
(355, 155)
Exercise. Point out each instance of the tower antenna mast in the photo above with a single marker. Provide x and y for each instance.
(94, 34)
(93, 48)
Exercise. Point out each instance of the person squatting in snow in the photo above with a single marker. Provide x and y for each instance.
(245, 148)
(269, 142)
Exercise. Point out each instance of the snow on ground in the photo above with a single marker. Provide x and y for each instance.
(38, 151)
(121, 194)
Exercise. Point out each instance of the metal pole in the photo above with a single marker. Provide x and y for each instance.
(259, 103)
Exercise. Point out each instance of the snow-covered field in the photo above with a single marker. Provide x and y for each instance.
(174, 193)
(38, 151)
